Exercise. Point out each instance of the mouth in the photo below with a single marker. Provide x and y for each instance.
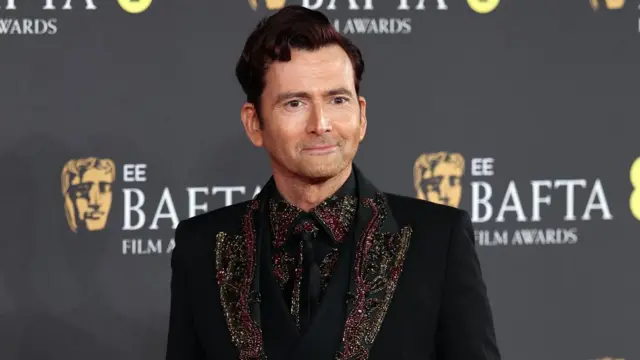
(96, 215)
(320, 149)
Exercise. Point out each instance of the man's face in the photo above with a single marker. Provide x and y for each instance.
(313, 121)
(443, 186)
(92, 197)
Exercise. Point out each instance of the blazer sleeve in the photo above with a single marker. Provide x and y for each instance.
(182, 340)
(465, 323)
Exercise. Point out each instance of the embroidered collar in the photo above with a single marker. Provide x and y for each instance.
(381, 245)
(336, 214)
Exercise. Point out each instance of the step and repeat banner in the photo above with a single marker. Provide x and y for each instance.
(121, 117)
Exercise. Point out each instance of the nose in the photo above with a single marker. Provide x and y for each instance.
(318, 122)
(94, 196)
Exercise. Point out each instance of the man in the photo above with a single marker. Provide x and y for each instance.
(321, 264)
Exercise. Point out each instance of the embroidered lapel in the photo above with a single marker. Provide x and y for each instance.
(381, 248)
(236, 259)
(380, 254)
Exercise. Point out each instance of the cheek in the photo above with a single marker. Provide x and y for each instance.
(348, 129)
(280, 139)
(347, 120)
(82, 207)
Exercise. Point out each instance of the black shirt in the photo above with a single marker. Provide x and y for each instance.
(329, 223)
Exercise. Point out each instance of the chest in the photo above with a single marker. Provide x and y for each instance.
(406, 329)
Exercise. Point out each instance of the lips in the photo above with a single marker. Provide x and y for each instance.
(320, 147)
(94, 215)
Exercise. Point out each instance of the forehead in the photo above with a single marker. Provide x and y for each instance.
(317, 70)
(92, 175)
(447, 168)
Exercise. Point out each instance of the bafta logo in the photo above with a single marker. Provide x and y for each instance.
(610, 4)
(437, 177)
(634, 199)
(270, 4)
(86, 187)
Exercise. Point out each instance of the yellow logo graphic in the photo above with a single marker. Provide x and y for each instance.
(437, 177)
(270, 4)
(634, 200)
(86, 187)
(483, 6)
(609, 4)
(134, 6)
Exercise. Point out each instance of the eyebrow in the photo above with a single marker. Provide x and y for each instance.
(303, 94)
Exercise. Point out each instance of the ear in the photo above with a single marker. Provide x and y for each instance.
(251, 123)
(363, 116)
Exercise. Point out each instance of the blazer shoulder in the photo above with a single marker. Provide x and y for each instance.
(441, 222)
(206, 225)
(422, 210)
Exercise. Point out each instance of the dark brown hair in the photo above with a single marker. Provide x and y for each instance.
(292, 27)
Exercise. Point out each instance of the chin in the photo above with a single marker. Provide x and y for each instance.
(322, 171)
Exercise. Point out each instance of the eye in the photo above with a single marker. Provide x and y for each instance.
(81, 191)
(293, 103)
(340, 100)
(105, 187)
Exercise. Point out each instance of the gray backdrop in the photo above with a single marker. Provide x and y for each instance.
(547, 89)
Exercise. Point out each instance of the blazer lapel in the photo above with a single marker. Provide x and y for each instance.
(237, 257)
(380, 253)
(381, 246)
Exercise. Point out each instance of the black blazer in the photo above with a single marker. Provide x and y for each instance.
(436, 309)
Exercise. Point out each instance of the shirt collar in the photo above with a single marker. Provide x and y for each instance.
(335, 214)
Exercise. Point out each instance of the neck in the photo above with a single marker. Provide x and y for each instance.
(307, 195)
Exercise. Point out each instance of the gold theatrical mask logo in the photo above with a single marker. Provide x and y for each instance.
(483, 6)
(270, 4)
(634, 199)
(134, 6)
(609, 4)
(86, 187)
(437, 177)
